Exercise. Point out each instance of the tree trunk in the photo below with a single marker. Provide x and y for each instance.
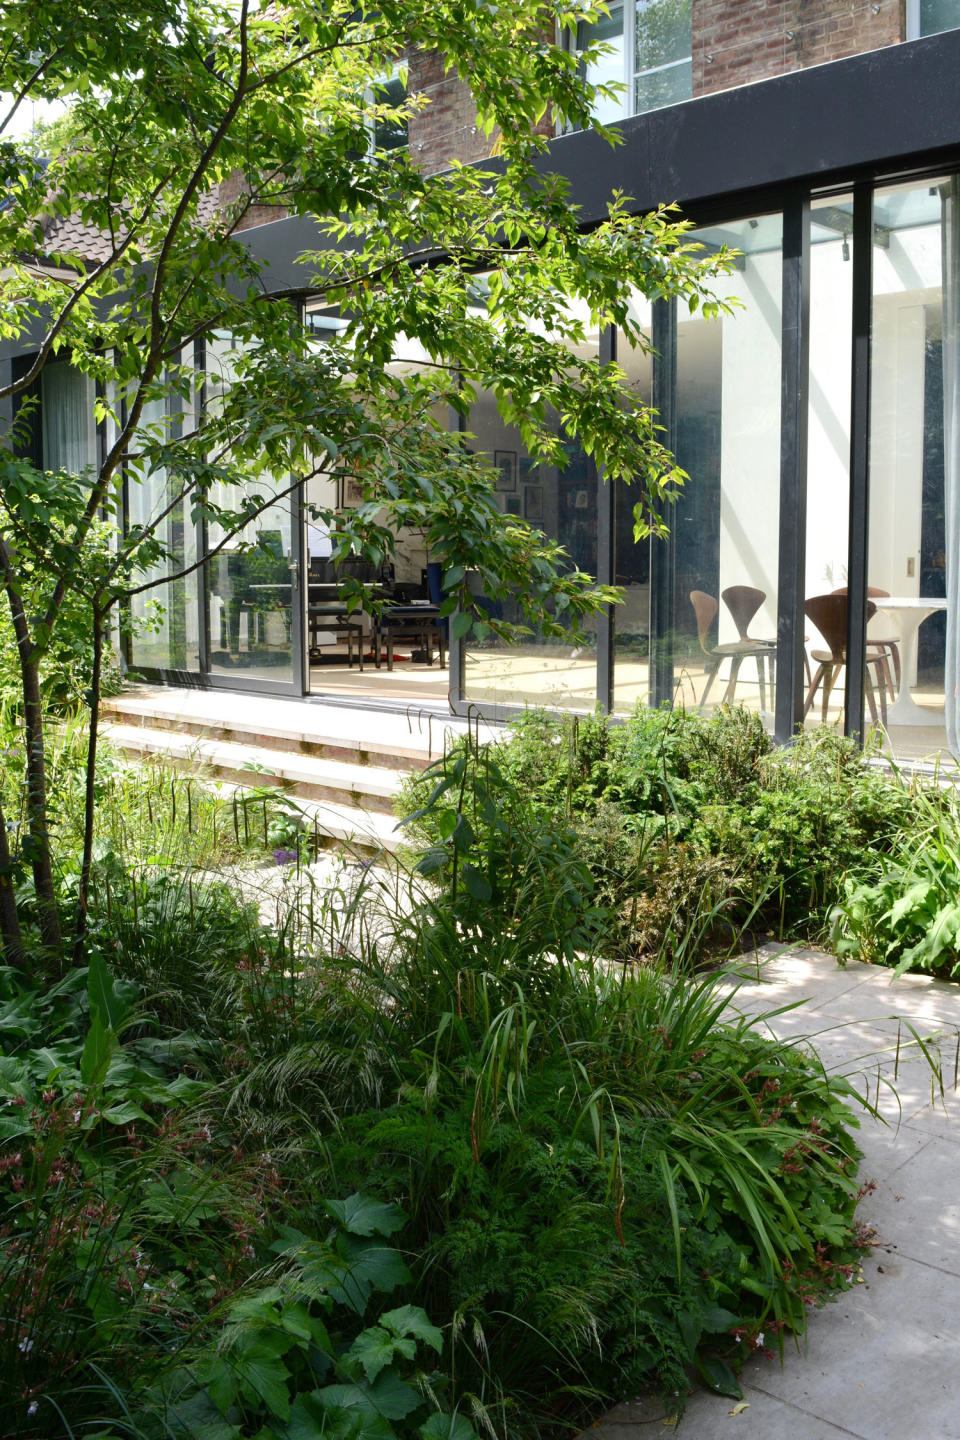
(37, 846)
(41, 860)
(89, 788)
(10, 936)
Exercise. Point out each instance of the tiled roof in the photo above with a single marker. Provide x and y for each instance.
(69, 235)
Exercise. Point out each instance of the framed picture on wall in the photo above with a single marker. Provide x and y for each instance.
(529, 471)
(533, 502)
(505, 462)
(351, 493)
(512, 505)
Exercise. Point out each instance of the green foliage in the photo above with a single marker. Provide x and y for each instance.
(909, 916)
(296, 1356)
(124, 1212)
(693, 829)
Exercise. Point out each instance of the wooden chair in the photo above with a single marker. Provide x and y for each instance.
(829, 614)
(705, 608)
(890, 647)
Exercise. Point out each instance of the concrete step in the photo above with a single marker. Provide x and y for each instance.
(393, 740)
(308, 777)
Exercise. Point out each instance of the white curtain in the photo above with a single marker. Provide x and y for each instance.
(950, 193)
(69, 427)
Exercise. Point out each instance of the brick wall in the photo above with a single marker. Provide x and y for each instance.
(446, 129)
(230, 192)
(738, 41)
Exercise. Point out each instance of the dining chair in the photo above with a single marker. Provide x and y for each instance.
(705, 608)
(829, 614)
(890, 646)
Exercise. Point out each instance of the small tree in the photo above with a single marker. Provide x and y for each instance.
(169, 100)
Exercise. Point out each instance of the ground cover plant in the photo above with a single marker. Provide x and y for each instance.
(696, 832)
(602, 1183)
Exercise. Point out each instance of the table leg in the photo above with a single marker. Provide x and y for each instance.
(905, 710)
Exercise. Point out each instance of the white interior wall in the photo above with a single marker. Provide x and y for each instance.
(750, 439)
(828, 437)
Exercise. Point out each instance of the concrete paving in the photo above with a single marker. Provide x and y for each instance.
(883, 1361)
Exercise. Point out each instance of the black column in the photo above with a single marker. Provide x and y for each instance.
(859, 531)
(606, 557)
(794, 370)
(663, 552)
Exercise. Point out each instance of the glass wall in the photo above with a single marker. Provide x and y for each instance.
(165, 620)
(725, 527)
(828, 458)
(562, 502)
(910, 482)
(631, 652)
(250, 576)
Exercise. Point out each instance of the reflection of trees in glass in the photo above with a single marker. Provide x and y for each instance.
(663, 36)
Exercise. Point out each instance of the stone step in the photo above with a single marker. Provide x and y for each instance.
(309, 777)
(394, 740)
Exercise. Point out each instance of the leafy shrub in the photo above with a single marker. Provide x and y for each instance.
(676, 815)
(909, 917)
(125, 1213)
(295, 1357)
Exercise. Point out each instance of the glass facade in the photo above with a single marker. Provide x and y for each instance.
(165, 620)
(828, 454)
(726, 524)
(562, 502)
(912, 476)
(250, 575)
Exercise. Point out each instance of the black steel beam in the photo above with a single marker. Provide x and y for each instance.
(663, 552)
(793, 466)
(606, 556)
(858, 536)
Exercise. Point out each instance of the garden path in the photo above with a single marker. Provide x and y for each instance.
(882, 1362)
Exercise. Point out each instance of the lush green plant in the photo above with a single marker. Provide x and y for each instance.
(693, 829)
(304, 1356)
(909, 916)
(125, 1213)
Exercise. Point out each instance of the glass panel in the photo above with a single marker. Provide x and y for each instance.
(609, 69)
(69, 427)
(937, 15)
(828, 457)
(663, 63)
(165, 620)
(908, 544)
(631, 667)
(562, 502)
(726, 524)
(390, 134)
(251, 591)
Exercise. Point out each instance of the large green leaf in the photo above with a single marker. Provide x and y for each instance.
(411, 1320)
(388, 1396)
(442, 1426)
(359, 1215)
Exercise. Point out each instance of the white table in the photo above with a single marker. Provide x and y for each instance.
(910, 612)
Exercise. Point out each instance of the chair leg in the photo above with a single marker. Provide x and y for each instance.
(828, 684)
(389, 649)
(762, 683)
(731, 689)
(711, 676)
(813, 689)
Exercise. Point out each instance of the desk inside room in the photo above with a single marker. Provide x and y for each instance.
(415, 620)
(327, 613)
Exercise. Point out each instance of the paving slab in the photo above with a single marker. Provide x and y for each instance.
(882, 1362)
